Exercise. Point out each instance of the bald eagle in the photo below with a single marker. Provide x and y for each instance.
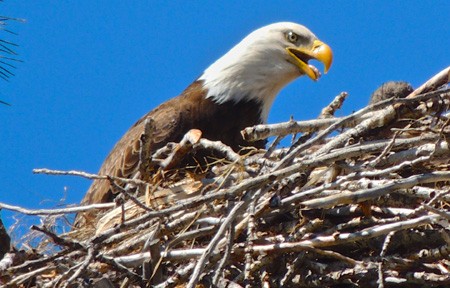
(233, 93)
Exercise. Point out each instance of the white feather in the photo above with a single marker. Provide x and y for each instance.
(257, 68)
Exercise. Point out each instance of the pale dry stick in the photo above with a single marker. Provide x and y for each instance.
(22, 278)
(120, 236)
(209, 221)
(263, 131)
(440, 149)
(385, 151)
(226, 256)
(181, 220)
(354, 176)
(179, 274)
(402, 212)
(395, 218)
(264, 280)
(190, 142)
(335, 105)
(56, 282)
(386, 242)
(335, 255)
(366, 194)
(162, 153)
(316, 190)
(239, 227)
(30, 264)
(136, 182)
(125, 244)
(129, 261)
(291, 270)
(89, 176)
(436, 211)
(437, 80)
(116, 189)
(423, 279)
(115, 262)
(84, 265)
(182, 254)
(243, 224)
(194, 234)
(220, 147)
(327, 112)
(383, 117)
(273, 146)
(135, 260)
(438, 196)
(251, 235)
(57, 211)
(74, 245)
(433, 96)
(119, 267)
(213, 244)
(393, 169)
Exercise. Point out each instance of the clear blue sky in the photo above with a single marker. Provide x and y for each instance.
(92, 68)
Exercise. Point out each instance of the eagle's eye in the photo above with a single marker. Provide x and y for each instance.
(292, 37)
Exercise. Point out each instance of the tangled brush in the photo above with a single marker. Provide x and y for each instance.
(360, 200)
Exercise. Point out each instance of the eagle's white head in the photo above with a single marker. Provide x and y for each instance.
(263, 63)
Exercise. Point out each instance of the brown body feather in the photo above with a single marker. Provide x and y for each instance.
(172, 120)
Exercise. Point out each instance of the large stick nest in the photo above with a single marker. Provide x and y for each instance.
(360, 200)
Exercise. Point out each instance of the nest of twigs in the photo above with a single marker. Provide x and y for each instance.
(356, 201)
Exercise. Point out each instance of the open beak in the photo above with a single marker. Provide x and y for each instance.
(319, 51)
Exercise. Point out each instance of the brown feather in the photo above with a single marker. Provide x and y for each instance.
(171, 120)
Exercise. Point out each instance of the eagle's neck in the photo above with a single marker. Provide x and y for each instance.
(245, 74)
(239, 90)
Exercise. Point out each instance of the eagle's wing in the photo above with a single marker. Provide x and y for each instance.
(123, 160)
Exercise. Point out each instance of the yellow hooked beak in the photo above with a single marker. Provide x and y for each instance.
(319, 51)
